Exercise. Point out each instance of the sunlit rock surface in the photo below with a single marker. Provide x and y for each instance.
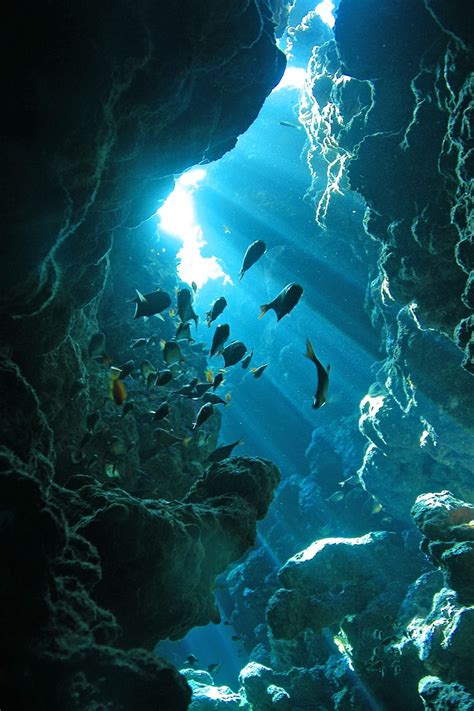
(437, 696)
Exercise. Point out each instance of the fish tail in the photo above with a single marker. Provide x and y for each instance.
(242, 272)
(310, 351)
(263, 310)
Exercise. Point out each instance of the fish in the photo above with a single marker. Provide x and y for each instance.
(163, 377)
(288, 124)
(111, 471)
(257, 372)
(194, 286)
(284, 302)
(191, 659)
(320, 396)
(213, 667)
(376, 508)
(336, 497)
(96, 346)
(139, 343)
(147, 368)
(221, 335)
(161, 412)
(183, 332)
(117, 446)
(226, 229)
(151, 304)
(200, 389)
(185, 308)
(206, 411)
(216, 309)
(223, 452)
(187, 390)
(215, 399)
(209, 375)
(234, 352)
(167, 439)
(247, 359)
(171, 352)
(126, 369)
(217, 381)
(236, 638)
(253, 254)
(117, 390)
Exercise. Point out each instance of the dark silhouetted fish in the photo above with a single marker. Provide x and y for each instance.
(246, 360)
(167, 439)
(221, 453)
(139, 343)
(206, 411)
(221, 335)
(257, 372)
(187, 390)
(151, 304)
(191, 659)
(284, 302)
(216, 309)
(185, 306)
(288, 124)
(217, 381)
(253, 253)
(164, 377)
(96, 346)
(126, 369)
(215, 399)
(200, 389)
(161, 412)
(171, 352)
(183, 332)
(321, 393)
(234, 352)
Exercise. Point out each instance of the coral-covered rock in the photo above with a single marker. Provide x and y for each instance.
(439, 696)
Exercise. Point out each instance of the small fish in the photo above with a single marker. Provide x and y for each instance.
(147, 368)
(150, 380)
(185, 308)
(336, 497)
(221, 335)
(236, 638)
(206, 411)
(377, 634)
(253, 254)
(321, 394)
(92, 419)
(96, 346)
(200, 389)
(284, 302)
(376, 507)
(213, 667)
(111, 471)
(126, 369)
(257, 372)
(288, 124)
(217, 381)
(171, 352)
(234, 352)
(215, 399)
(209, 375)
(194, 287)
(162, 411)
(164, 377)
(139, 343)
(216, 309)
(247, 359)
(191, 660)
(167, 439)
(226, 230)
(151, 304)
(187, 390)
(183, 333)
(117, 391)
(223, 452)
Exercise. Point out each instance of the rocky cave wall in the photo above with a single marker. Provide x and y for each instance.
(109, 542)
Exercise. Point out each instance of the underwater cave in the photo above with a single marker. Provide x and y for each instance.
(237, 356)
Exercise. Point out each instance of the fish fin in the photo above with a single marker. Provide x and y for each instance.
(115, 372)
(263, 310)
(140, 297)
(310, 351)
(162, 343)
(253, 370)
(242, 272)
(160, 316)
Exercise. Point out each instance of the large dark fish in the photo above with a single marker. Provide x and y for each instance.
(284, 302)
(151, 304)
(163, 377)
(204, 414)
(221, 335)
(223, 452)
(253, 254)
(234, 352)
(185, 306)
(161, 412)
(216, 309)
(321, 394)
(217, 381)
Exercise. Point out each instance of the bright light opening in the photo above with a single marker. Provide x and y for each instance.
(177, 217)
(293, 78)
(324, 10)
